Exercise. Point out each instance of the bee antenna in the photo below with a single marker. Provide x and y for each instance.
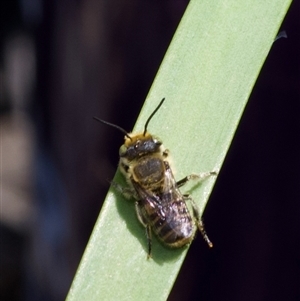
(113, 125)
(150, 117)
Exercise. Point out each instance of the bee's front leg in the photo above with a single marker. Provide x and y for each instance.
(200, 177)
(127, 192)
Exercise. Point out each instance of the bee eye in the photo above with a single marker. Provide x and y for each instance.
(122, 150)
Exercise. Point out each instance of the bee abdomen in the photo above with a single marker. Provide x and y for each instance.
(174, 233)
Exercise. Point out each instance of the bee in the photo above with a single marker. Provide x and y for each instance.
(160, 206)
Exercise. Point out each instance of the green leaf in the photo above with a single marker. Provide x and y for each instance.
(206, 77)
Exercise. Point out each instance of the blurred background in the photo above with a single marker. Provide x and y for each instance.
(63, 62)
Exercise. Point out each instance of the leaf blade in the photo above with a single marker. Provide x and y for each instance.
(207, 76)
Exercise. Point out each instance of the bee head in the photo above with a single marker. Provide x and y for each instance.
(139, 144)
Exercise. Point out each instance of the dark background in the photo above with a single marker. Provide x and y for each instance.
(63, 62)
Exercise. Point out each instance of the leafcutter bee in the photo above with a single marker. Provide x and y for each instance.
(160, 206)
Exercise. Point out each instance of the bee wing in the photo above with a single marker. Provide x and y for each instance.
(165, 211)
(175, 208)
(170, 189)
(150, 205)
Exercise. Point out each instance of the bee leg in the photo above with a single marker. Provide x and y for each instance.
(126, 191)
(149, 239)
(200, 223)
(200, 177)
(143, 221)
(165, 153)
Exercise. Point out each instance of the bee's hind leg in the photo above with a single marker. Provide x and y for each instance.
(149, 239)
(199, 222)
(200, 177)
(147, 226)
(198, 219)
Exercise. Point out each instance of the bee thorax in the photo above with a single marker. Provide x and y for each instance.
(149, 171)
